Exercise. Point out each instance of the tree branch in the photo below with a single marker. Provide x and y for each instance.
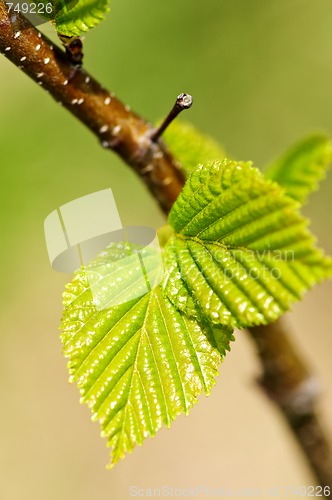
(115, 125)
(287, 381)
(285, 377)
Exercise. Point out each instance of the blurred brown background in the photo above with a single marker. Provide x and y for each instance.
(260, 73)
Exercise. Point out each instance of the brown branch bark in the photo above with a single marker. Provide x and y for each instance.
(115, 125)
(285, 377)
(288, 382)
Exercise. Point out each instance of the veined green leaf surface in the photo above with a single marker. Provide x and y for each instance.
(190, 146)
(302, 167)
(137, 364)
(73, 17)
(76, 17)
(241, 253)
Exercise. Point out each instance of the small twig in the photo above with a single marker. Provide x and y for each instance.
(183, 101)
(285, 377)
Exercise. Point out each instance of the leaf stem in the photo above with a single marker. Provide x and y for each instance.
(183, 101)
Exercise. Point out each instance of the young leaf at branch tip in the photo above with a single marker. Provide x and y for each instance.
(73, 17)
(83, 16)
(190, 146)
(301, 168)
(140, 363)
(241, 254)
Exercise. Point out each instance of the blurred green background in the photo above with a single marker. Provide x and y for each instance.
(260, 73)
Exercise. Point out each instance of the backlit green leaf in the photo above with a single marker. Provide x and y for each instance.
(300, 169)
(241, 253)
(73, 17)
(139, 363)
(77, 17)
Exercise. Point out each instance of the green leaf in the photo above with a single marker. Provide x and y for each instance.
(191, 147)
(302, 167)
(139, 363)
(73, 18)
(241, 253)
